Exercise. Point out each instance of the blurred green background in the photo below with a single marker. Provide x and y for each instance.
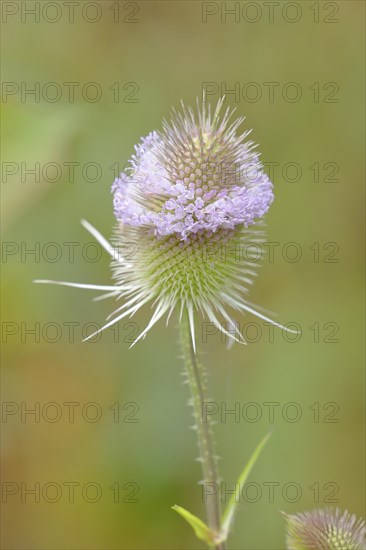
(168, 52)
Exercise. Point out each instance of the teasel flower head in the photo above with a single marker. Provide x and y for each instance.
(326, 529)
(191, 200)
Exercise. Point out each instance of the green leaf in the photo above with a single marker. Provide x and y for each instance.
(228, 515)
(202, 531)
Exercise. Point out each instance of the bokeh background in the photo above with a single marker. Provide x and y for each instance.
(167, 51)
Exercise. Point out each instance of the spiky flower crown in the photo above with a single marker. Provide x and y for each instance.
(187, 201)
(193, 196)
(326, 529)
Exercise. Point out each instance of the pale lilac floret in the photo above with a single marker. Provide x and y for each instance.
(182, 196)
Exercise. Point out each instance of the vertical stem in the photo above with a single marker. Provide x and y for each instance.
(195, 378)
